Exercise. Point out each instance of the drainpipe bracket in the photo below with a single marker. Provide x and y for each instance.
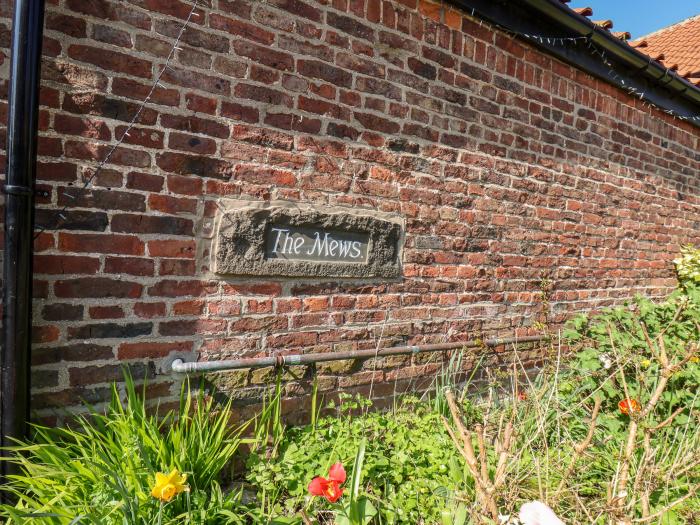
(13, 189)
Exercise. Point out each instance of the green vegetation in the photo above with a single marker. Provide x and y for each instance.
(608, 433)
(688, 266)
(102, 471)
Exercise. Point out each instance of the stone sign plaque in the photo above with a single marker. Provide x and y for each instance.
(281, 238)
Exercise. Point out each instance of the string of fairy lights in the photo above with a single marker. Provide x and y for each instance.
(542, 39)
(596, 52)
(134, 120)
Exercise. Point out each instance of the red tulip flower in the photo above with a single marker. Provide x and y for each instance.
(629, 406)
(329, 488)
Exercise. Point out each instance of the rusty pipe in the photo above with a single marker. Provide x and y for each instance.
(179, 366)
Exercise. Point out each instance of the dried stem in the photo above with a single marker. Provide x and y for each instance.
(485, 488)
(581, 447)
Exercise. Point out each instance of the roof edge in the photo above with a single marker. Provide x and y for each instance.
(634, 71)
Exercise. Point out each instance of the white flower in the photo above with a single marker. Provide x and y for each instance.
(605, 360)
(537, 513)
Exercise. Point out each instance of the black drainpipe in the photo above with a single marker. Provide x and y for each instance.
(23, 116)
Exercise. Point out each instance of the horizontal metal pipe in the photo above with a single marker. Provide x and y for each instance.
(181, 367)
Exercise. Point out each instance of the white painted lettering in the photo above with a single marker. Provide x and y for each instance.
(344, 248)
(319, 245)
(356, 252)
(298, 244)
(279, 231)
(288, 244)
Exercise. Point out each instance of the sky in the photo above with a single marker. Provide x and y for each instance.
(640, 17)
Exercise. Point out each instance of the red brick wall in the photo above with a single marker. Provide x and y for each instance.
(508, 166)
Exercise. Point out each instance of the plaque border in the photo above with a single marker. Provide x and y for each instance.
(240, 227)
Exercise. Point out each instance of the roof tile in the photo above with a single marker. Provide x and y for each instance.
(680, 45)
(676, 47)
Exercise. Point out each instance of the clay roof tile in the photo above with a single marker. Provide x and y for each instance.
(678, 44)
(584, 11)
(605, 24)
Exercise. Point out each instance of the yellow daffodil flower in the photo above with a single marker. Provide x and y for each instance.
(169, 485)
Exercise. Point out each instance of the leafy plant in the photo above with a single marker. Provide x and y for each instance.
(408, 463)
(102, 470)
(616, 360)
(688, 265)
(353, 509)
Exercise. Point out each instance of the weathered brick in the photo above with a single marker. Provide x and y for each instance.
(71, 220)
(88, 128)
(171, 288)
(201, 104)
(350, 26)
(111, 35)
(74, 396)
(259, 136)
(316, 69)
(69, 25)
(95, 104)
(264, 55)
(111, 60)
(192, 124)
(293, 122)
(192, 327)
(122, 222)
(342, 131)
(191, 143)
(151, 349)
(301, 47)
(377, 123)
(101, 199)
(106, 373)
(196, 80)
(127, 87)
(100, 243)
(258, 175)
(97, 287)
(79, 352)
(298, 8)
(263, 94)
(62, 312)
(65, 264)
(177, 267)
(106, 312)
(129, 266)
(172, 248)
(57, 171)
(184, 185)
(203, 166)
(105, 10)
(237, 111)
(192, 36)
(323, 107)
(241, 29)
(422, 69)
(144, 181)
